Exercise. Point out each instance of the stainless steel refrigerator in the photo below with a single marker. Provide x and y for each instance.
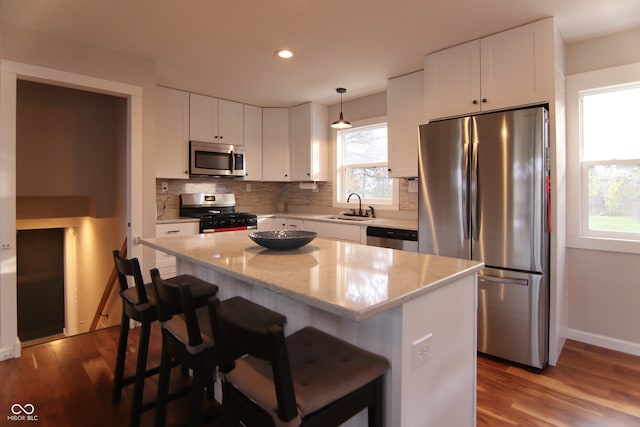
(484, 196)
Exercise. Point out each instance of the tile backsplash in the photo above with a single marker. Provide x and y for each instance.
(268, 197)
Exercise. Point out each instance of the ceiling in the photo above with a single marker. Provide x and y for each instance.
(226, 48)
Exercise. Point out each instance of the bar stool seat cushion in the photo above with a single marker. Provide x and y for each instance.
(324, 369)
(132, 297)
(177, 326)
(200, 290)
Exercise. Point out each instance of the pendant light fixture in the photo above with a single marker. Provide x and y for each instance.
(341, 123)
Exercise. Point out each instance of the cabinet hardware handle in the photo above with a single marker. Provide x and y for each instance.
(172, 231)
(484, 100)
(475, 101)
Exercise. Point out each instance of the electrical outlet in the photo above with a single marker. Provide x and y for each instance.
(248, 188)
(421, 350)
(165, 186)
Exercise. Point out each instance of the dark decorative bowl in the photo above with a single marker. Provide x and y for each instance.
(282, 240)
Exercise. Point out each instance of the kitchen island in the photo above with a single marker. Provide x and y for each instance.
(417, 310)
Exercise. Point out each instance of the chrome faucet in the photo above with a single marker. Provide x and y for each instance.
(359, 202)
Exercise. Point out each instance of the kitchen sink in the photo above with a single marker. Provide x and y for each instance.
(347, 218)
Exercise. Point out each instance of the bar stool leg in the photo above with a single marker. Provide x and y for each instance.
(122, 350)
(375, 410)
(141, 368)
(197, 395)
(163, 388)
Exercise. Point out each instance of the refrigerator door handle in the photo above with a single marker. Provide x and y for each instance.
(511, 281)
(475, 197)
(465, 184)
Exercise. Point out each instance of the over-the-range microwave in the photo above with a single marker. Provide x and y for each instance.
(212, 159)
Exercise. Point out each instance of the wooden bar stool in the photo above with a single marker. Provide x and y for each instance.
(309, 378)
(139, 304)
(187, 339)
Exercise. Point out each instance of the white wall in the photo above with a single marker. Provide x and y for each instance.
(31, 47)
(604, 287)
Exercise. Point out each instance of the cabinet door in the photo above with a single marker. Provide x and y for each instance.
(167, 263)
(230, 122)
(275, 144)
(203, 118)
(309, 144)
(342, 232)
(253, 142)
(513, 65)
(452, 85)
(172, 133)
(405, 112)
(300, 142)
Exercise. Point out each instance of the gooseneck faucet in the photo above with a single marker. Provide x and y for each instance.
(359, 202)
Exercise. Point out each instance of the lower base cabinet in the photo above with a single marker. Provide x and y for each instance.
(329, 230)
(165, 263)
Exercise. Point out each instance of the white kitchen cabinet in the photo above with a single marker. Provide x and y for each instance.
(335, 231)
(405, 112)
(172, 133)
(280, 223)
(215, 120)
(253, 142)
(165, 263)
(267, 223)
(275, 144)
(501, 71)
(309, 142)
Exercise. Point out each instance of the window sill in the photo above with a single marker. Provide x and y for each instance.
(604, 244)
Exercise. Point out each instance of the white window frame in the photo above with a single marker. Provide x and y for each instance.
(578, 235)
(337, 190)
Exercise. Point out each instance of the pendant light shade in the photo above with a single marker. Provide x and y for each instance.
(341, 123)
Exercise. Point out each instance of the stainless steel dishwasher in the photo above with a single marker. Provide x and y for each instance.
(394, 238)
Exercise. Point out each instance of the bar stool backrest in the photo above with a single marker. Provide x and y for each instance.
(130, 268)
(235, 337)
(174, 299)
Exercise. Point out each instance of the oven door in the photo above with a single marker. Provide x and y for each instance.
(209, 159)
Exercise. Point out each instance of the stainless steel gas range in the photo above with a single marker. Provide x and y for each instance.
(217, 212)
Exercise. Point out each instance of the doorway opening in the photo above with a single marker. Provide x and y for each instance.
(40, 281)
(70, 175)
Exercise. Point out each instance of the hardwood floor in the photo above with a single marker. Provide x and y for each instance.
(68, 382)
(589, 387)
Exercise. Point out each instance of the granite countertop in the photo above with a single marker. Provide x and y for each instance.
(351, 280)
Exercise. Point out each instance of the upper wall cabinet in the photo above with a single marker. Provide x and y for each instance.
(295, 145)
(215, 120)
(501, 71)
(309, 143)
(275, 144)
(253, 142)
(405, 111)
(172, 133)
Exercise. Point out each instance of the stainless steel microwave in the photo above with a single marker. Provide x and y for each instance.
(210, 159)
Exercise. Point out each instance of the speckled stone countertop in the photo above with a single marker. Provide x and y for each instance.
(350, 280)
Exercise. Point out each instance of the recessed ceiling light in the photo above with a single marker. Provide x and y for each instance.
(284, 53)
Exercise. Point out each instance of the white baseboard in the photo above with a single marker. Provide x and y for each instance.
(11, 352)
(604, 341)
